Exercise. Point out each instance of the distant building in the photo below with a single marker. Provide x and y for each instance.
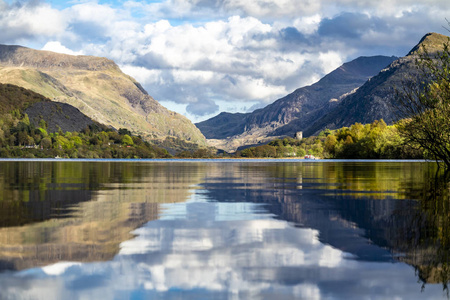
(299, 135)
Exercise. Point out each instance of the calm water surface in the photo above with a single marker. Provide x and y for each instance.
(223, 230)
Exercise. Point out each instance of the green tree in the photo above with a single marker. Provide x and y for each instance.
(43, 124)
(46, 143)
(62, 142)
(330, 144)
(127, 140)
(26, 120)
(301, 152)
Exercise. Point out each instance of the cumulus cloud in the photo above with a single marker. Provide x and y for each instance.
(205, 107)
(199, 54)
(350, 25)
(29, 20)
(237, 59)
(200, 248)
(59, 48)
(278, 9)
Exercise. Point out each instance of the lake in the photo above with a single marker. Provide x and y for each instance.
(223, 229)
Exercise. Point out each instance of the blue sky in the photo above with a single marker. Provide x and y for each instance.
(201, 57)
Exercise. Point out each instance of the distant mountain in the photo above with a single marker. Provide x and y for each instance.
(372, 101)
(296, 111)
(98, 88)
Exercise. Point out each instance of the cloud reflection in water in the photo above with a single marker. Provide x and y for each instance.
(196, 251)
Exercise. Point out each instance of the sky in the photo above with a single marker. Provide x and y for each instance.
(202, 57)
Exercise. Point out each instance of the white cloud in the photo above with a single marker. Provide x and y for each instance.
(236, 59)
(198, 248)
(308, 24)
(265, 8)
(143, 75)
(205, 52)
(57, 47)
(18, 22)
(330, 61)
(59, 268)
(246, 87)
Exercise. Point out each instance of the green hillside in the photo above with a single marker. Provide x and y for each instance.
(32, 126)
(13, 97)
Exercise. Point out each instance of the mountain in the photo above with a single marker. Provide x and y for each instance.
(98, 88)
(56, 115)
(294, 112)
(372, 101)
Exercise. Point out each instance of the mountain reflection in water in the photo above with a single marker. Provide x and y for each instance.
(240, 230)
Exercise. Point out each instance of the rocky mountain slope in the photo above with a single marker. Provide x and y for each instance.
(296, 111)
(56, 115)
(98, 88)
(373, 100)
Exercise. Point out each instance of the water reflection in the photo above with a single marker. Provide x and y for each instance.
(194, 256)
(427, 239)
(53, 211)
(233, 230)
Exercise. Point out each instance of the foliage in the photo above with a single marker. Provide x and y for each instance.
(370, 141)
(185, 149)
(19, 138)
(424, 102)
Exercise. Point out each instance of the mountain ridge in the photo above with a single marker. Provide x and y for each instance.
(293, 112)
(340, 99)
(374, 99)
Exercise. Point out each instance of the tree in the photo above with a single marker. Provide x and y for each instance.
(46, 143)
(423, 103)
(127, 140)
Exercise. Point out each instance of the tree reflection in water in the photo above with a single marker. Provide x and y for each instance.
(265, 223)
(429, 233)
(402, 209)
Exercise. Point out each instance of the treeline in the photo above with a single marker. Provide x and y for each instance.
(370, 141)
(20, 138)
(185, 149)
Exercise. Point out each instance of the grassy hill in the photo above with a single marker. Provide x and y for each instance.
(98, 88)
